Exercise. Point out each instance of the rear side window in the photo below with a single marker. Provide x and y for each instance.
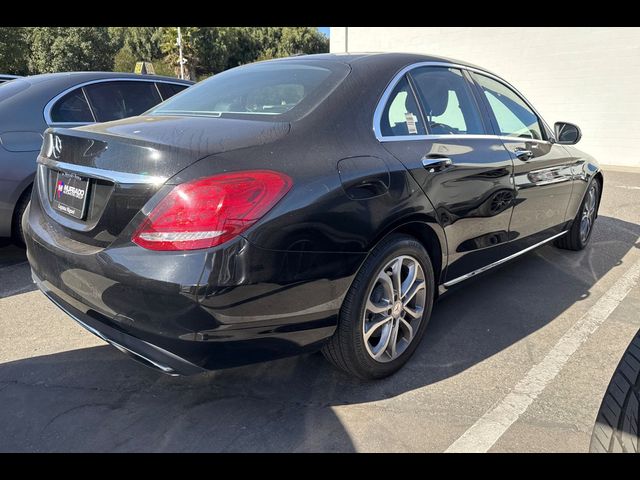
(72, 108)
(168, 90)
(121, 99)
(447, 102)
(401, 115)
(513, 116)
(270, 90)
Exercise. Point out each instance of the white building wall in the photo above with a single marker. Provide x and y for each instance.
(587, 75)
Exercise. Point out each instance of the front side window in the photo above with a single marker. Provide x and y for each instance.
(447, 102)
(271, 90)
(72, 108)
(513, 116)
(121, 99)
(401, 115)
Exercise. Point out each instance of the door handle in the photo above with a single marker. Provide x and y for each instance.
(436, 164)
(523, 154)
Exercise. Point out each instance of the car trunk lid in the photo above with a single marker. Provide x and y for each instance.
(122, 164)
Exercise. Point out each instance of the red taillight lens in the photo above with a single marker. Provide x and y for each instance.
(209, 211)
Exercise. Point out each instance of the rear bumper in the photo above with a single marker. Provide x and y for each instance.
(139, 350)
(184, 312)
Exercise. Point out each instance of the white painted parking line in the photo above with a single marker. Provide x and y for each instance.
(482, 435)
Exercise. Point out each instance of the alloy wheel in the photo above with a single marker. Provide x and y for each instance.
(588, 213)
(394, 308)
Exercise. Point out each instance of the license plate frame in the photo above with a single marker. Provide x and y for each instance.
(69, 196)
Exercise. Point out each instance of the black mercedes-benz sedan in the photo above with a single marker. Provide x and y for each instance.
(306, 203)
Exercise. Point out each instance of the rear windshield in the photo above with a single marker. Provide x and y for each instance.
(9, 89)
(271, 90)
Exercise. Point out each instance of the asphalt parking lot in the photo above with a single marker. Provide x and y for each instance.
(517, 360)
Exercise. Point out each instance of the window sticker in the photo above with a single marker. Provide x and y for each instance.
(411, 122)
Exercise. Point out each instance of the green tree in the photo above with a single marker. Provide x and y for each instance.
(208, 50)
(168, 46)
(244, 45)
(139, 44)
(305, 40)
(117, 35)
(124, 61)
(211, 47)
(14, 51)
(276, 42)
(143, 42)
(59, 49)
(266, 39)
(221, 48)
(163, 68)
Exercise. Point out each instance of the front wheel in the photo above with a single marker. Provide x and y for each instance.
(578, 236)
(386, 310)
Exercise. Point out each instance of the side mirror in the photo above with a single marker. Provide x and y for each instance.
(567, 133)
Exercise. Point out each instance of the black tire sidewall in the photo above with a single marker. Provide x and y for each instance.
(594, 184)
(16, 228)
(394, 247)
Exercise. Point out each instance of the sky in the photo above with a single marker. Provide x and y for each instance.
(324, 30)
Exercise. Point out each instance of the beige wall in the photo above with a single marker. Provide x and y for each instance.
(588, 75)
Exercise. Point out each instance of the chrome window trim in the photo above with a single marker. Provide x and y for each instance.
(459, 136)
(466, 276)
(377, 115)
(162, 99)
(99, 173)
(423, 117)
(86, 99)
(404, 138)
(49, 106)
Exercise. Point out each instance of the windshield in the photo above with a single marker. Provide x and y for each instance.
(272, 90)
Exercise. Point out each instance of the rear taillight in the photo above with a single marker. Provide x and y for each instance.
(210, 211)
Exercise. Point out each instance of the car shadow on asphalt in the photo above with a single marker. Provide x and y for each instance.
(15, 277)
(95, 399)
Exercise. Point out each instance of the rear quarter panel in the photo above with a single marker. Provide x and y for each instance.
(18, 169)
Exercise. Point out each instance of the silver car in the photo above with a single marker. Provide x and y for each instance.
(29, 105)
(7, 78)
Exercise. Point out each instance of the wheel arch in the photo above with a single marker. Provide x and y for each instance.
(430, 234)
(600, 179)
(23, 190)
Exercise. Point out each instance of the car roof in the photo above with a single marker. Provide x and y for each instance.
(73, 78)
(356, 59)
(32, 94)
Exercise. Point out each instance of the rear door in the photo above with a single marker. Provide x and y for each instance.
(542, 169)
(431, 122)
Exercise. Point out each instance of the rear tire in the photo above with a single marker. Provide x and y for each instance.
(380, 326)
(575, 238)
(16, 225)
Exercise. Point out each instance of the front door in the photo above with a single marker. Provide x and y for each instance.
(542, 169)
(432, 124)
